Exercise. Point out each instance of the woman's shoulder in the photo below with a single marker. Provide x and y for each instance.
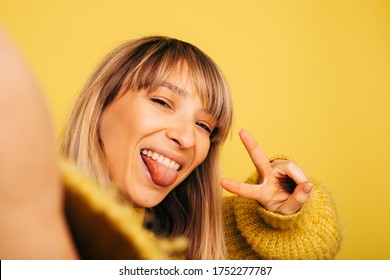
(104, 228)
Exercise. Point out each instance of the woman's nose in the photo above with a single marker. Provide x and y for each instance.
(183, 134)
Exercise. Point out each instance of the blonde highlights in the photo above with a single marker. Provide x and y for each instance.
(194, 208)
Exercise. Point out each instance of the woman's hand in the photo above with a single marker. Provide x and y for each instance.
(282, 187)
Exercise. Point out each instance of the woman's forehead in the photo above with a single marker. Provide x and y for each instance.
(181, 77)
(185, 85)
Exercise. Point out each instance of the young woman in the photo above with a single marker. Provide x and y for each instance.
(147, 128)
(150, 122)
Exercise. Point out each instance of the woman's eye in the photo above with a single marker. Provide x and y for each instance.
(161, 102)
(205, 127)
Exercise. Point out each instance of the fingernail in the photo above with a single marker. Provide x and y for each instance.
(308, 187)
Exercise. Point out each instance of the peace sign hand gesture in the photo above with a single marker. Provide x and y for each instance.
(282, 186)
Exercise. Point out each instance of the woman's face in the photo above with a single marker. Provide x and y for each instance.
(154, 140)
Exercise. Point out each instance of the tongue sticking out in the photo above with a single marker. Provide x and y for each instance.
(161, 174)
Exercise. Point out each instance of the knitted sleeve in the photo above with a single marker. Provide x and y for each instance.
(314, 232)
(104, 228)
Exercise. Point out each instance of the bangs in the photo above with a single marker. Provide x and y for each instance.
(153, 62)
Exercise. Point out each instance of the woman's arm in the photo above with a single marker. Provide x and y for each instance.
(31, 213)
(279, 213)
(252, 232)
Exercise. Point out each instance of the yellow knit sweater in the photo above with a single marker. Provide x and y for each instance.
(252, 232)
(104, 229)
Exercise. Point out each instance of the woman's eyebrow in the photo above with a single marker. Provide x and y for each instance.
(174, 88)
(180, 92)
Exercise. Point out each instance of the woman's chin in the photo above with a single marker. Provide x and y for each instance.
(146, 199)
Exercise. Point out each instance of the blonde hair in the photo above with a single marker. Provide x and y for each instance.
(194, 208)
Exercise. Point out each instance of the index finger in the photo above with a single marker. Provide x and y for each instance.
(257, 155)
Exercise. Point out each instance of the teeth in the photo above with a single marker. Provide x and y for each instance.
(161, 159)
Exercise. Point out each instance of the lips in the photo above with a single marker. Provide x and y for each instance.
(163, 170)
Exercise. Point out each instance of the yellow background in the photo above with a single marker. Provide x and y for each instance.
(309, 79)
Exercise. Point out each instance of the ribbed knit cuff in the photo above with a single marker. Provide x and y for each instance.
(276, 220)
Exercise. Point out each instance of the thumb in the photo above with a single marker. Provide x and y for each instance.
(296, 200)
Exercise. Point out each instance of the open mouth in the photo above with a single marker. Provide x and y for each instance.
(161, 159)
(163, 171)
